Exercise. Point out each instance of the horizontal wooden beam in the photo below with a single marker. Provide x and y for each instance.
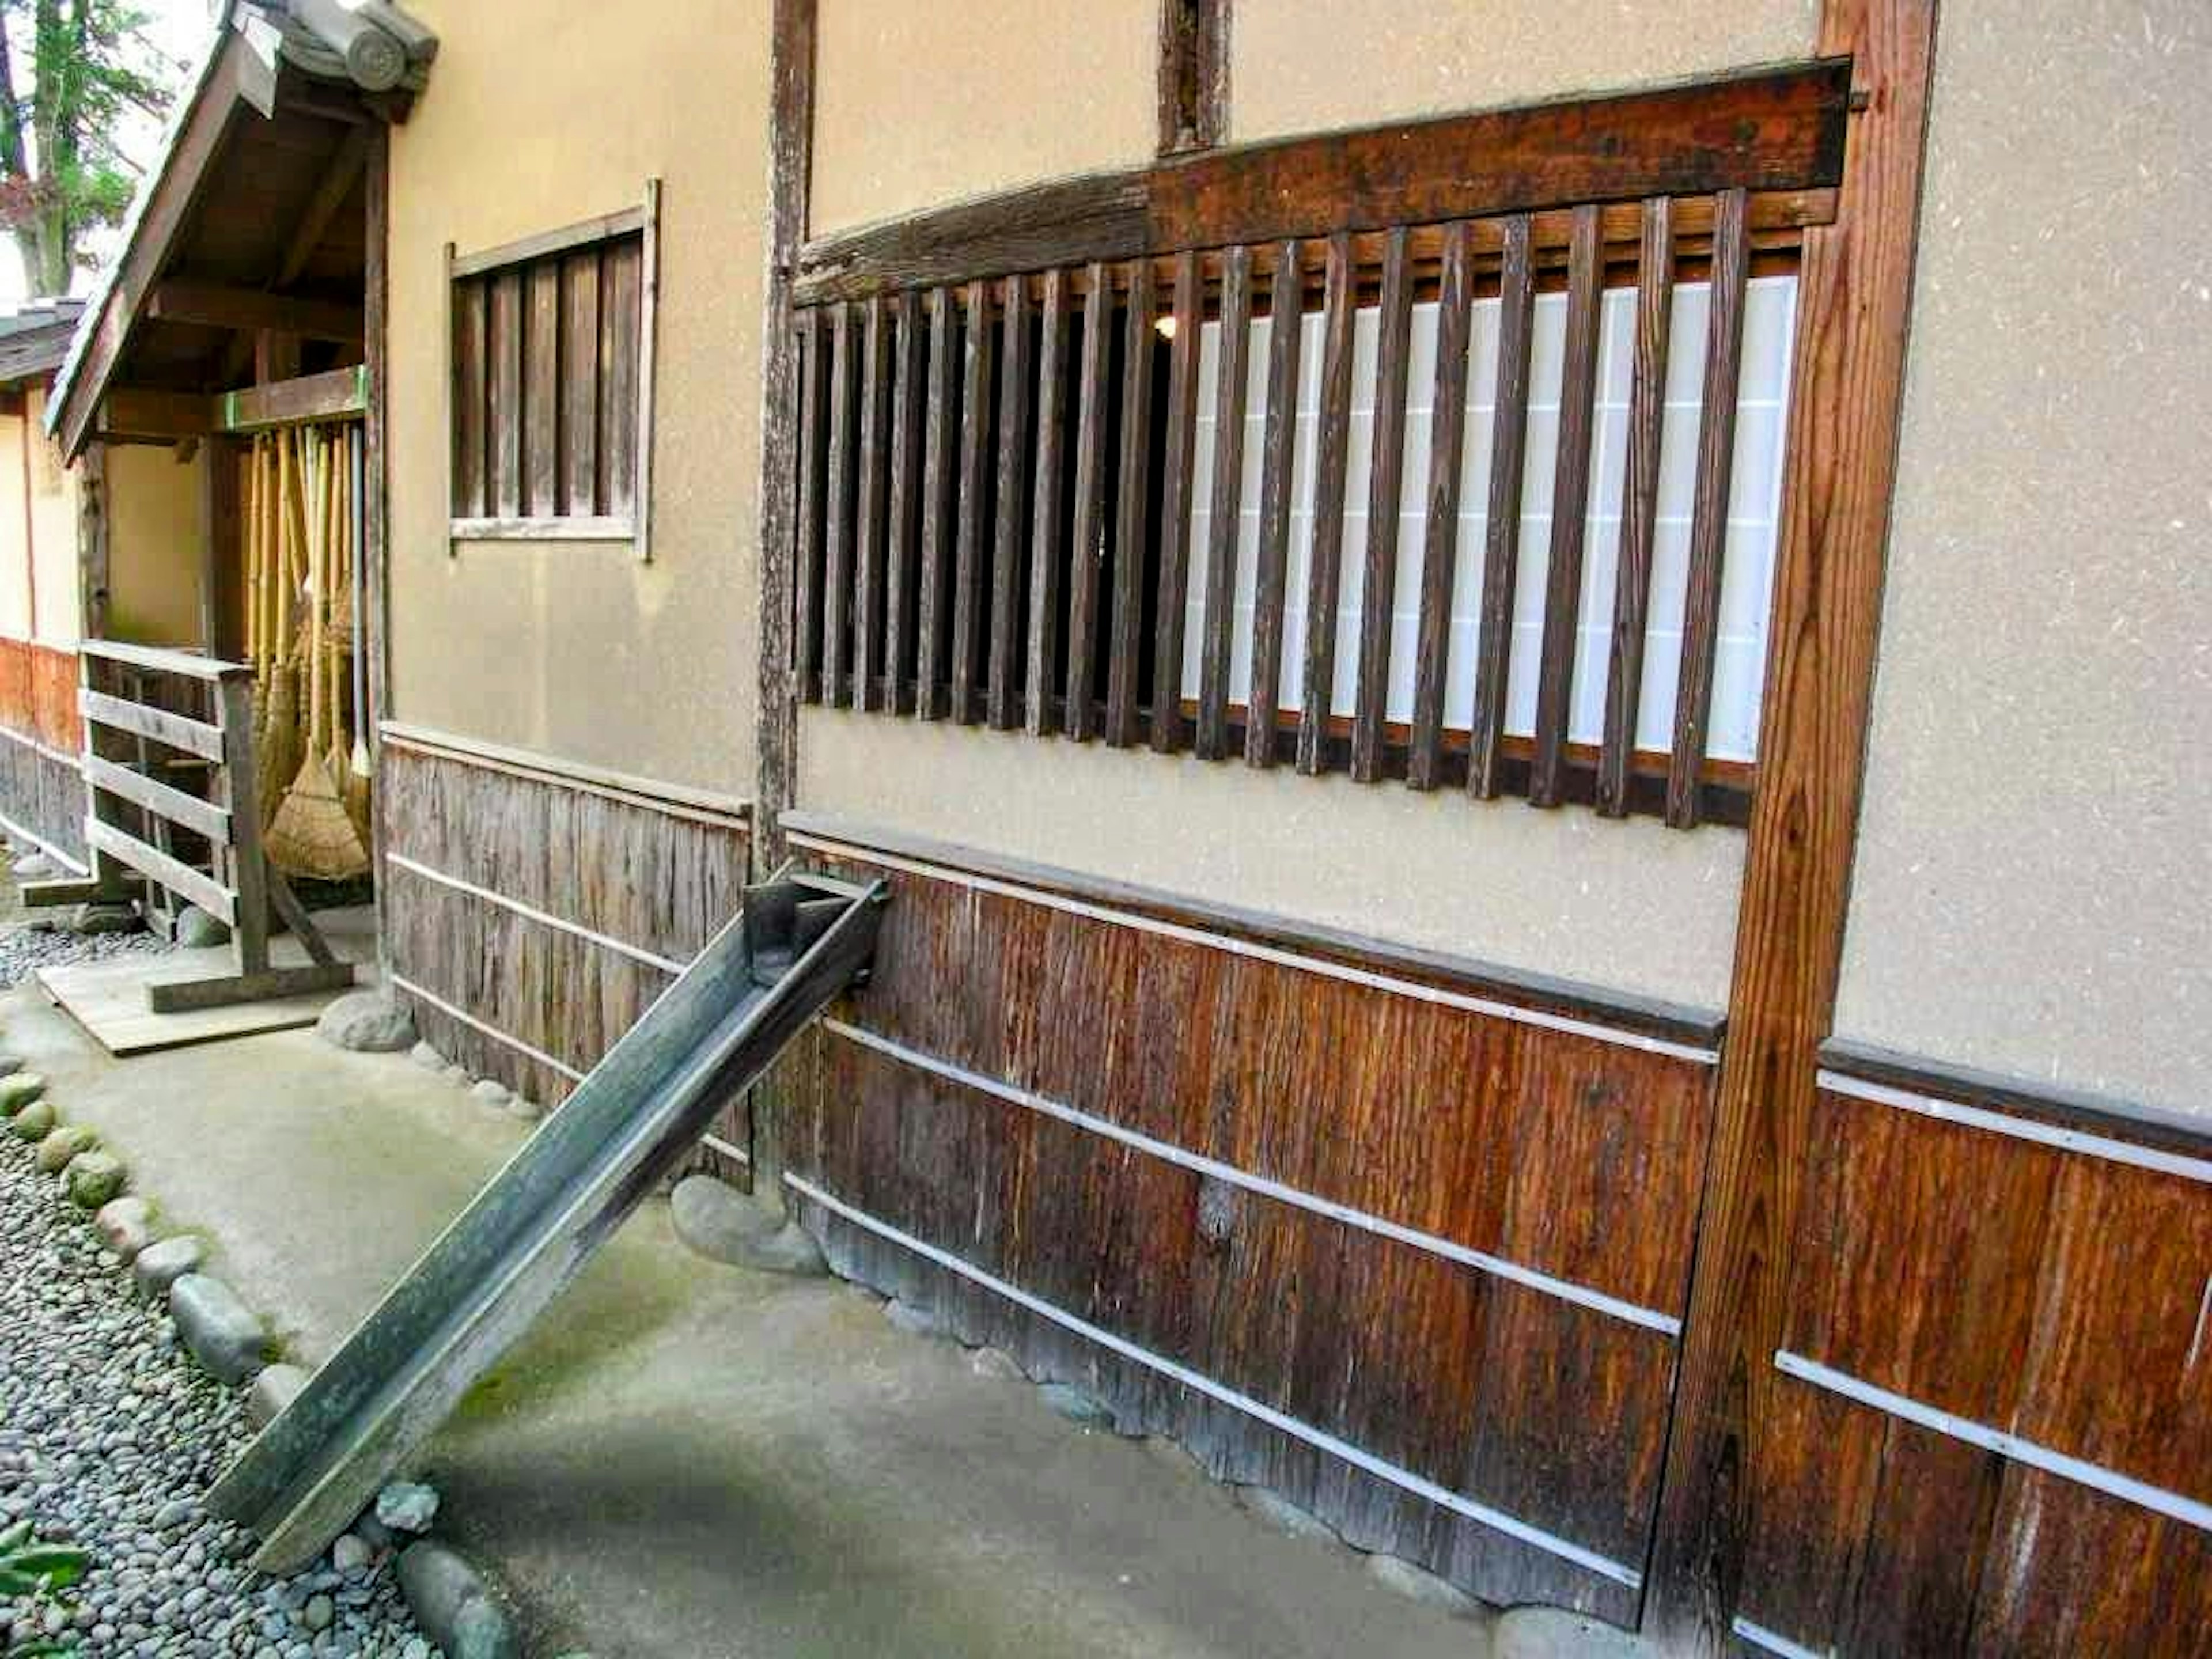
(135, 413)
(192, 664)
(1778, 130)
(581, 528)
(180, 877)
(203, 816)
(626, 221)
(194, 737)
(251, 309)
(331, 395)
(265, 985)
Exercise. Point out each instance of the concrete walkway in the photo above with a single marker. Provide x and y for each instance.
(692, 1459)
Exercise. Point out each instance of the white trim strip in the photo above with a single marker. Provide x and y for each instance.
(530, 912)
(2110, 1482)
(1406, 1479)
(45, 846)
(728, 1149)
(491, 1031)
(1497, 1267)
(2021, 1128)
(1773, 1642)
(1259, 952)
(650, 794)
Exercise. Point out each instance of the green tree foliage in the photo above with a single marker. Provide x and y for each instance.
(61, 173)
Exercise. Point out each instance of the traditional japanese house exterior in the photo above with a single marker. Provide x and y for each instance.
(1560, 911)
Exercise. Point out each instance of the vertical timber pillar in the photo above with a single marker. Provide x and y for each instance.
(1854, 305)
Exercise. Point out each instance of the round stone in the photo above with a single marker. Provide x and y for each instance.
(94, 1178)
(197, 930)
(368, 1022)
(18, 1089)
(35, 1121)
(56, 1150)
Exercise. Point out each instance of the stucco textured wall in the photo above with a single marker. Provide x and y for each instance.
(2033, 890)
(155, 546)
(1296, 66)
(916, 106)
(18, 533)
(538, 115)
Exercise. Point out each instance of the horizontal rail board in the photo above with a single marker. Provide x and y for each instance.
(1404, 1480)
(506, 1039)
(190, 664)
(624, 221)
(332, 395)
(656, 794)
(1545, 1284)
(1656, 1028)
(531, 912)
(1778, 129)
(174, 874)
(204, 817)
(177, 730)
(601, 528)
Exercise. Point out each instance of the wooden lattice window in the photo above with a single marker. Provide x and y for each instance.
(1506, 499)
(551, 382)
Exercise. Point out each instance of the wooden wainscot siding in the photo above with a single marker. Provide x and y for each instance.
(534, 914)
(41, 791)
(1442, 1222)
(1967, 1268)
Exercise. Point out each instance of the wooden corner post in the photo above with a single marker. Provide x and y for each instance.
(1854, 305)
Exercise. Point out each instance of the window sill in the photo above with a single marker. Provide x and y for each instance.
(544, 529)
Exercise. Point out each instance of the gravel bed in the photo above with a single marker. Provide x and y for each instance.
(26, 949)
(109, 1436)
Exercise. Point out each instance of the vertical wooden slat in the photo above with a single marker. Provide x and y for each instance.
(1501, 552)
(1639, 504)
(975, 480)
(1286, 330)
(1087, 550)
(1701, 606)
(873, 455)
(1325, 567)
(471, 396)
(644, 329)
(1379, 590)
(1563, 585)
(1132, 499)
(837, 559)
(939, 471)
(618, 303)
(899, 551)
(1045, 516)
(1226, 505)
(541, 393)
(1004, 691)
(807, 577)
(503, 424)
(1180, 453)
(1440, 550)
(580, 384)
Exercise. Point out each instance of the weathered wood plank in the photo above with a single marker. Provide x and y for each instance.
(1131, 528)
(910, 391)
(871, 509)
(1003, 709)
(202, 816)
(621, 282)
(940, 470)
(1046, 519)
(1378, 589)
(1639, 503)
(470, 394)
(177, 730)
(541, 393)
(1501, 555)
(1278, 452)
(1179, 455)
(1440, 547)
(1325, 570)
(1193, 74)
(972, 520)
(1225, 509)
(1563, 584)
(838, 534)
(1701, 604)
(580, 384)
(1087, 547)
(811, 440)
(151, 862)
(503, 420)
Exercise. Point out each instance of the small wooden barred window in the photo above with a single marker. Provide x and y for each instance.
(551, 383)
(1500, 513)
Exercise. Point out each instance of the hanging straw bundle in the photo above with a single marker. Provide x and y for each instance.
(313, 833)
(280, 736)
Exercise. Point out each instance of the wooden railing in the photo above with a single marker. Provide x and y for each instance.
(998, 408)
(173, 781)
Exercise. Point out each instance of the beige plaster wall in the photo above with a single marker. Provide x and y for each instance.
(15, 529)
(155, 546)
(53, 533)
(1296, 66)
(540, 113)
(1631, 905)
(2033, 888)
(916, 106)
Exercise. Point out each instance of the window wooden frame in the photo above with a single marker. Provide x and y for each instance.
(634, 526)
